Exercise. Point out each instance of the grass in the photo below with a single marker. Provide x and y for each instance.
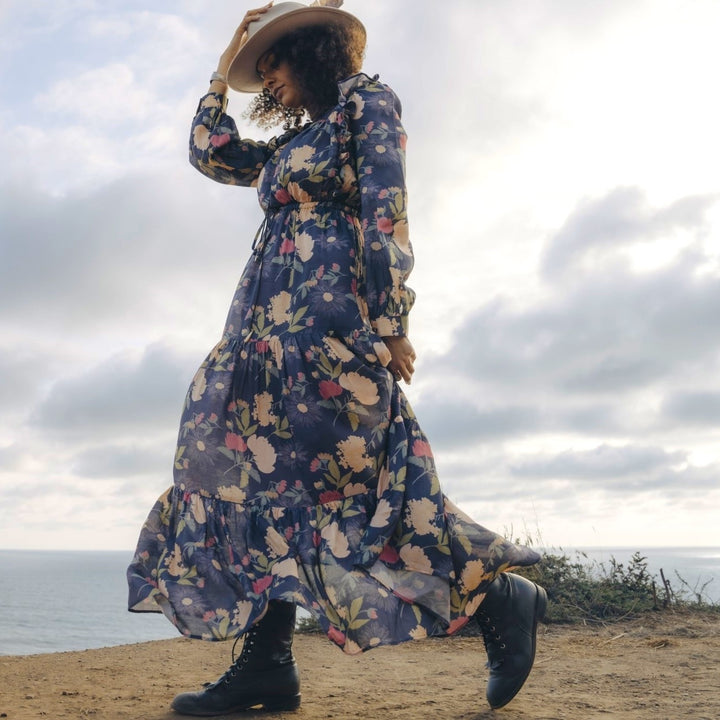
(583, 590)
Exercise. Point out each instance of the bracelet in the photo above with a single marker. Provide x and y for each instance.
(218, 76)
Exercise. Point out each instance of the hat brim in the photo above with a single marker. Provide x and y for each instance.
(243, 76)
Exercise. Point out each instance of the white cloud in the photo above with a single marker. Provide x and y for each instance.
(107, 95)
(122, 398)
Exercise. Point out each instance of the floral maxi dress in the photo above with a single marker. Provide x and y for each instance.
(301, 473)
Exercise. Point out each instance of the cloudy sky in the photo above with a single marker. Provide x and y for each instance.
(565, 212)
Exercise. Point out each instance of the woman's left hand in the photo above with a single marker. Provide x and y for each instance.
(402, 357)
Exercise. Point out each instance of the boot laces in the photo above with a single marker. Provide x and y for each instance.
(492, 640)
(239, 663)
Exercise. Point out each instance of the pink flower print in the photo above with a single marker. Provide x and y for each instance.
(213, 418)
(287, 246)
(262, 346)
(199, 418)
(208, 616)
(315, 465)
(282, 196)
(383, 194)
(235, 442)
(336, 636)
(320, 272)
(217, 141)
(421, 449)
(261, 585)
(389, 555)
(330, 496)
(456, 624)
(385, 225)
(282, 486)
(329, 389)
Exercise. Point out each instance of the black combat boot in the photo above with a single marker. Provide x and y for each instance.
(265, 675)
(508, 618)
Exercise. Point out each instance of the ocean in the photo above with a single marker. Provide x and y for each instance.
(53, 601)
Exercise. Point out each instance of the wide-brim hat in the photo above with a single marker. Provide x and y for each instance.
(280, 20)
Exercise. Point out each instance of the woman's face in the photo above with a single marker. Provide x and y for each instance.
(279, 79)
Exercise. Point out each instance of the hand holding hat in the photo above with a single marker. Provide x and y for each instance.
(263, 27)
(238, 40)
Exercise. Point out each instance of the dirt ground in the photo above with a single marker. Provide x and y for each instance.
(662, 667)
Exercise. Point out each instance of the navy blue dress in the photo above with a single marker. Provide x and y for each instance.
(301, 472)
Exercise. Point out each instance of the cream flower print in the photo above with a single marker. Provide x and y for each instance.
(382, 352)
(199, 386)
(263, 453)
(201, 137)
(415, 558)
(472, 607)
(276, 348)
(174, 561)
(301, 158)
(353, 453)
(304, 246)
(263, 409)
(473, 574)
(383, 480)
(285, 568)
(241, 612)
(337, 349)
(401, 236)
(302, 196)
(354, 489)
(382, 514)
(232, 493)
(363, 389)
(422, 516)
(280, 307)
(359, 103)
(197, 507)
(397, 279)
(418, 633)
(276, 542)
(336, 540)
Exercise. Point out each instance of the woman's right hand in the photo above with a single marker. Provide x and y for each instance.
(240, 38)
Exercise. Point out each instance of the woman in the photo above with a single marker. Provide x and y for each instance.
(301, 474)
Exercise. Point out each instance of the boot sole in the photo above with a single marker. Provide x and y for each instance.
(269, 703)
(540, 610)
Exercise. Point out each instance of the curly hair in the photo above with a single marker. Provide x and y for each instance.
(319, 57)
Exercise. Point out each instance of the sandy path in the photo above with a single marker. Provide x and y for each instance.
(663, 667)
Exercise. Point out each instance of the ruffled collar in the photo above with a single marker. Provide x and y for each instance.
(348, 86)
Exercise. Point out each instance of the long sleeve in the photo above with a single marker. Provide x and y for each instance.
(216, 148)
(379, 147)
